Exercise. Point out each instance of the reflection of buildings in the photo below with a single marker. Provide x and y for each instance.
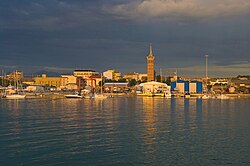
(149, 121)
(150, 65)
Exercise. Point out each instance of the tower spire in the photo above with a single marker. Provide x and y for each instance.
(150, 50)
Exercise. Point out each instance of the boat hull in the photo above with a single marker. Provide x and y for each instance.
(15, 96)
(73, 96)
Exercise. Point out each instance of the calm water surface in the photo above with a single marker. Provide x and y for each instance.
(125, 131)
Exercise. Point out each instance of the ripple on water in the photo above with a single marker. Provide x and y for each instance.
(124, 131)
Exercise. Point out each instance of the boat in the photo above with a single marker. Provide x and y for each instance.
(187, 95)
(168, 95)
(74, 96)
(13, 92)
(15, 96)
(151, 94)
(99, 96)
(206, 96)
(222, 97)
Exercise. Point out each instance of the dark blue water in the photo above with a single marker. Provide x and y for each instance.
(125, 131)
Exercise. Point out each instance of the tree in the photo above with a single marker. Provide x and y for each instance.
(158, 78)
(122, 80)
(132, 82)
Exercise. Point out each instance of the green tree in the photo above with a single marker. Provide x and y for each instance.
(122, 80)
(132, 82)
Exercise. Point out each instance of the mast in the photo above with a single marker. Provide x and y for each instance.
(2, 78)
(206, 57)
(161, 74)
(101, 83)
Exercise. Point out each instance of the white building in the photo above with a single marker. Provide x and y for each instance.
(109, 74)
(154, 87)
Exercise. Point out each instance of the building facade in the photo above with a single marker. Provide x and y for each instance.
(150, 65)
(154, 87)
(48, 81)
(131, 75)
(117, 75)
(182, 87)
(93, 81)
(109, 74)
(85, 73)
(69, 82)
(112, 75)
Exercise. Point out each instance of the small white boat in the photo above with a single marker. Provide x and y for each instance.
(75, 96)
(168, 95)
(15, 96)
(206, 96)
(100, 96)
(222, 97)
(187, 95)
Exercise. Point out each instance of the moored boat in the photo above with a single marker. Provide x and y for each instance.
(222, 97)
(75, 96)
(100, 96)
(15, 96)
(206, 96)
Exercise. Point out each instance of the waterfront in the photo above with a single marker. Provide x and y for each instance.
(125, 131)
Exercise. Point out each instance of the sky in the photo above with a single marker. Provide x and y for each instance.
(63, 35)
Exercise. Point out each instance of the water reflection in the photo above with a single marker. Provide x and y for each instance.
(125, 131)
(149, 134)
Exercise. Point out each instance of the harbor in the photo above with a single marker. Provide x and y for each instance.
(124, 82)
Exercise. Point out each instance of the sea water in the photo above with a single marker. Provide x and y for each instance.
(125, 131)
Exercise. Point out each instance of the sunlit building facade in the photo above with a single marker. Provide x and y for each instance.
(48, 81)
(85, 73)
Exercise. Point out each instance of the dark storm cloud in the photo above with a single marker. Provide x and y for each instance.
(101, 34)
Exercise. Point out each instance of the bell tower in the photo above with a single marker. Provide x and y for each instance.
(150, 65)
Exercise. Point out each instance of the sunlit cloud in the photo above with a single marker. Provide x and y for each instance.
(179, 9)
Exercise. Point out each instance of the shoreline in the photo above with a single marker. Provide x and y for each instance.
(55, 95)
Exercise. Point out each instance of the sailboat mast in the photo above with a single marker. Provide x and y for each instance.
(206, 56)
(101, 83)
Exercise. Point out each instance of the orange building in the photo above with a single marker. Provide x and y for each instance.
(150, 65)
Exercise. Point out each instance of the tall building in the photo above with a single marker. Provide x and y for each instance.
(150, 65)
